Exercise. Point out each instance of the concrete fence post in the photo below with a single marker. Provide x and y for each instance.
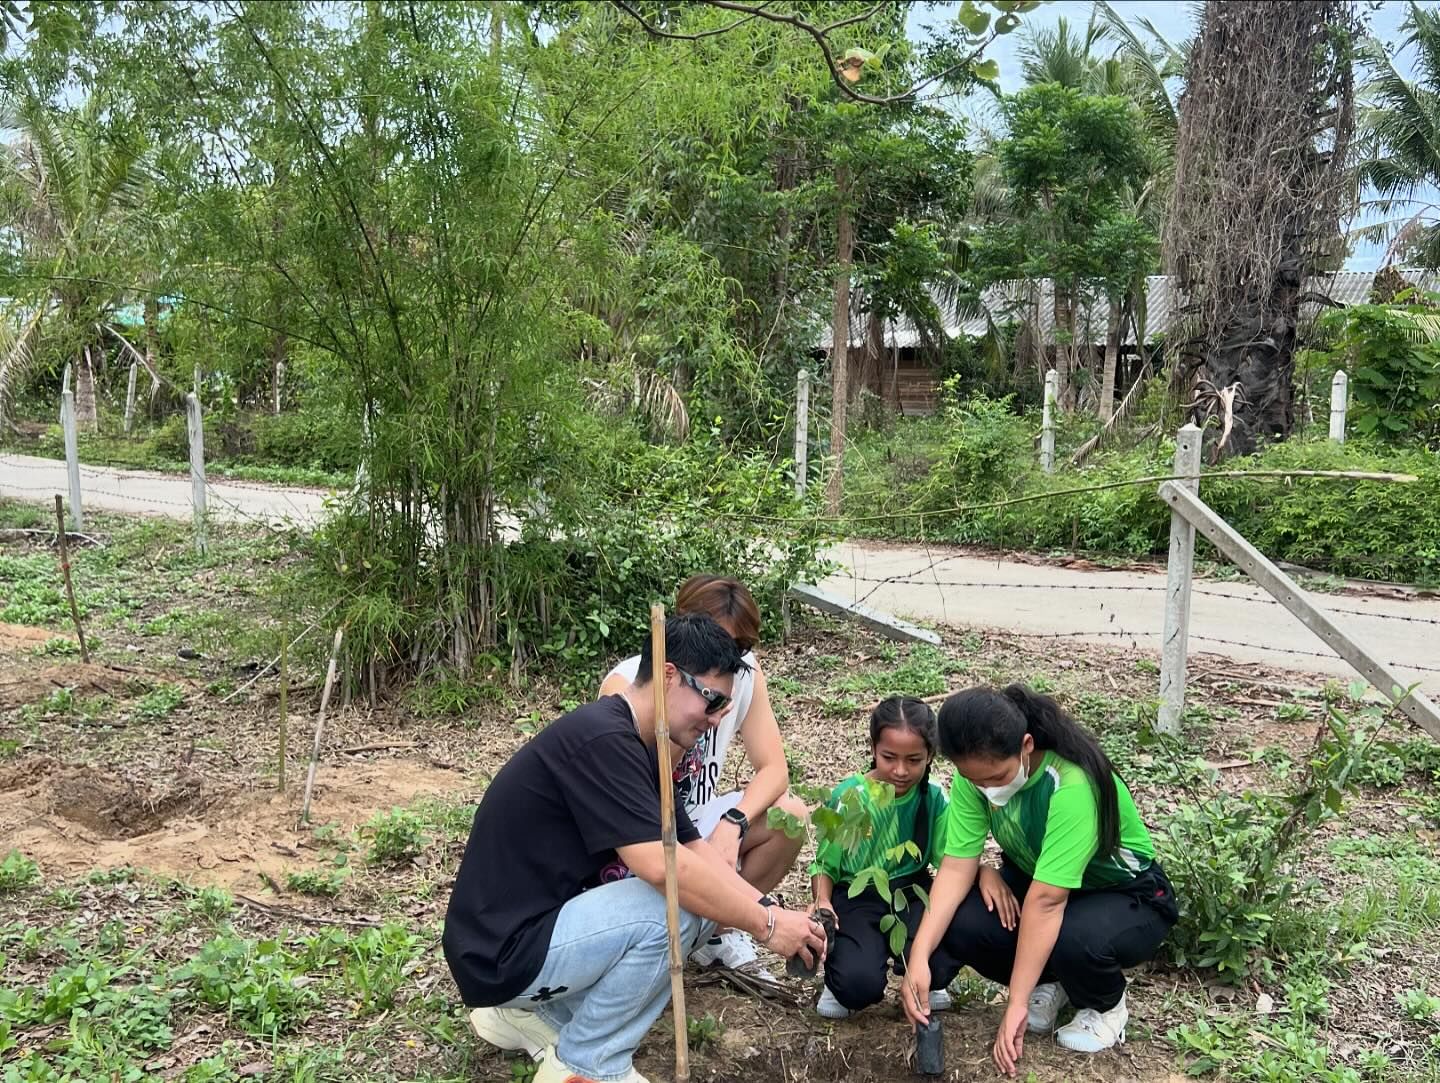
(130, 397)
(72, 452)
(802, 429)
(1339, 402)
(1175, 641)
(196, 429)
(1047, 423)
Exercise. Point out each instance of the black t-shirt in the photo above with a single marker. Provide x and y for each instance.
(546, 830)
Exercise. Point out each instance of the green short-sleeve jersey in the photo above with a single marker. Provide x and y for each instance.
(1051, 828)
(889, 827)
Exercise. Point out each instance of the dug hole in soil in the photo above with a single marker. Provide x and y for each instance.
(72, 818)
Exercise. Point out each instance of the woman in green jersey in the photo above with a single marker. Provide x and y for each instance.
(1093, 898)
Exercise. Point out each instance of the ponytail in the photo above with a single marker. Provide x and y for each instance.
(992, 723)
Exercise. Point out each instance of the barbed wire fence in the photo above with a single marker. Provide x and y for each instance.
(301, 506)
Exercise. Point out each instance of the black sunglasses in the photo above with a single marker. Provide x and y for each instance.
(715, 702)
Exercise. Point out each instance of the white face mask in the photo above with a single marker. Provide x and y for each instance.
(998, 795)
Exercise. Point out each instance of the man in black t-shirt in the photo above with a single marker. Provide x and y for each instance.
(556, 949)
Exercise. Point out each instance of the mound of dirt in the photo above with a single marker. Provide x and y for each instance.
(20, 688)
(71, 819)
(20, 636)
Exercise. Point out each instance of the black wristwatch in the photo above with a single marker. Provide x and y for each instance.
(739, 819)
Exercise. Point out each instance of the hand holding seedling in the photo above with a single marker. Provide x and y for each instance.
(915, 993)
(796, 933)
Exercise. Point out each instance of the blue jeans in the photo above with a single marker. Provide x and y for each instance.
(606, 978)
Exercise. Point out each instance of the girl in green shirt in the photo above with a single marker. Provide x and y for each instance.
(1093, 898)
(906, 837)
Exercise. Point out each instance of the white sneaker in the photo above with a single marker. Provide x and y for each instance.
(1091, 1031)
(551, 1069)
(735, 950)
(732, 949)
(1044, 1007)
(940, 1000)
(829, 1007)
(512, 1029)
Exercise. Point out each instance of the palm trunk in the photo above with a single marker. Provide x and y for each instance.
(1112, 360)
(840, 342)
(869, 375)
(1064, 311)
(152, 344)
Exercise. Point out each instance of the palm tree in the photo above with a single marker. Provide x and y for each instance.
(1061, 55)
(76, 198)
(1399, 132)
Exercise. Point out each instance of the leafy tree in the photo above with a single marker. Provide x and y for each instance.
(1068, 162)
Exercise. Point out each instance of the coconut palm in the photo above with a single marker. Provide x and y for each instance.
(76, 199)
(1399, 130)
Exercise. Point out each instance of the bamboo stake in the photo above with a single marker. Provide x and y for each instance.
(69, 585)
(667, 842)
(284, 716)
(320, 726)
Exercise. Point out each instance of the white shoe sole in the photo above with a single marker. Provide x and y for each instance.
(1060, 1041)
(505, 1035)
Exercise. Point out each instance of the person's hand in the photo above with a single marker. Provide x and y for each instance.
(995, 893)
(726, 841)
(915, 991)
(823, 904)
(1010, 1039)
(796, 933)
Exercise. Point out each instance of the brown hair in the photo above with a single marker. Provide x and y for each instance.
(726, 600)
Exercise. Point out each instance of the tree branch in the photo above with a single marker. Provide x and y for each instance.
(654, 30)
(818, 33)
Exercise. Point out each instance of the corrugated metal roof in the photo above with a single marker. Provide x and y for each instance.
(1008, 302)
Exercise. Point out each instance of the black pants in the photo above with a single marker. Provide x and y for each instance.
(858, 965)
(1102, 933)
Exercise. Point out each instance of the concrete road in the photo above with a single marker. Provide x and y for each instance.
(143, 492)
(928, 585)
(1235, 619)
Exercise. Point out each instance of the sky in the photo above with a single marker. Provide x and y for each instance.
(1176, 21)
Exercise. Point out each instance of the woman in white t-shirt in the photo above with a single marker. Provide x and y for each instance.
(734, 822)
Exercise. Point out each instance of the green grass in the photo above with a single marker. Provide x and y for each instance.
(142, 453)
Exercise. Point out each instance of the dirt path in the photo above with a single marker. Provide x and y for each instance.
(928, 584)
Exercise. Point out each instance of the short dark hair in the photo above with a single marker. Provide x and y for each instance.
(695, 643)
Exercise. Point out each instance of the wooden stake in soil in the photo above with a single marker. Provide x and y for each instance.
(284, 715)
(320, 726)
(667, 842)
(65, 571)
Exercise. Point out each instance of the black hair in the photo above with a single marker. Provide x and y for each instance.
(908, 713)
(991, 723)
(695, 643)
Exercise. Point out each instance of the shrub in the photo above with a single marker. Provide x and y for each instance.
(1235, 859)
(321, 438)
(395, 836)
